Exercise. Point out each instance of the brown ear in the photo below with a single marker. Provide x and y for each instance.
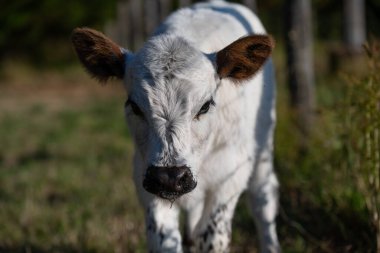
(244, 57)
(100, 56)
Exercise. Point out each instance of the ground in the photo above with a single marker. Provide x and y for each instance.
(66, 185)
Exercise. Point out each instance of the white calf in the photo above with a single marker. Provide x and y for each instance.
(201, 110)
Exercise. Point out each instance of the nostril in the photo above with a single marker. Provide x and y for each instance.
(162, 178)
(178, 187)
(179, 173)
(182, 180)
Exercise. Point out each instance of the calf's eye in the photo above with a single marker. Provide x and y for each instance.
(135, 108)
(205, 107)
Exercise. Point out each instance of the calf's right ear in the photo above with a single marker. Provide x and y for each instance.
(101, 57)
(242, 59)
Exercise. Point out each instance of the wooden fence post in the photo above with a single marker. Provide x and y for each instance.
(122, 24)
(151, 16)
(136, 23)
(165, 8)
(184, 3)
(251, 4)
(354, 25)
(299, 45)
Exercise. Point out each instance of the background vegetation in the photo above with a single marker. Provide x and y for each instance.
(65, 152)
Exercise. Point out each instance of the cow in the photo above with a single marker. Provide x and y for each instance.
(201, 109)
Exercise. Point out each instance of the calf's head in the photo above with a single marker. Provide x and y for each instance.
(171, 107)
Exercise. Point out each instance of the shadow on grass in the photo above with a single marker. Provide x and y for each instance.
(304, 226)
(325, 227)
(36, 249)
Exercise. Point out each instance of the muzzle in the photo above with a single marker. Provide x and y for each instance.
(169, 182)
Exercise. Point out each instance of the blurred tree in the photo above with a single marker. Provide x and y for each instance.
(152, 17)
(299, 41)
(372, 16)
(354, 34)
(40, 30)
(165, 8)
(123, 27)
(136, 21)
(250, 4)
(184, 3)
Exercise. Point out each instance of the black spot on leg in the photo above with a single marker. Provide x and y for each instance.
(162, 236)
(152, 226)
(210, 229)
(205, 235)
(216, 233)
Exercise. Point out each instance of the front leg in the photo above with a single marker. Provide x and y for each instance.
(162, 228)
(213, 233)
(263, 200)
(227, 178)
(161, 218)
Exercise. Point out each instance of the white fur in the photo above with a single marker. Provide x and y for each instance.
(229, 149)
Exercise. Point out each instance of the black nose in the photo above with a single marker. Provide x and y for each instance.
(169, 182)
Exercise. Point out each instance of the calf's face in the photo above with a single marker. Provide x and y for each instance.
(171, 107)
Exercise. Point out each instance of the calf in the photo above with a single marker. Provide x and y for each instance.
(201, 111)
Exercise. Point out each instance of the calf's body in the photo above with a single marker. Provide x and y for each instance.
(201, 110)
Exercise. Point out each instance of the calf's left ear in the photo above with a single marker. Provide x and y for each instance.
(241, 59)
(102, 57)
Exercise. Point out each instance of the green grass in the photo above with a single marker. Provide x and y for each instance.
(66, 183)
(65, 178)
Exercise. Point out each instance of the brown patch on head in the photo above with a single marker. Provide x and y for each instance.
(243, 58)
(99, 55)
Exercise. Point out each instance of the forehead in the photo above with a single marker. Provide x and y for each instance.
(169, 66)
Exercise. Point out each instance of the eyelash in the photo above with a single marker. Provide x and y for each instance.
(205, 108)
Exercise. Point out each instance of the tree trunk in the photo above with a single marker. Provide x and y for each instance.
(184, 3)
(165, 8)
(354, 33)
(299, 47)
(251, 4)
(136, 24)
(152, 16)
(122, 25)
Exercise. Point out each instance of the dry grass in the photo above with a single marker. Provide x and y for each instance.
(65, 179)
(66, 184)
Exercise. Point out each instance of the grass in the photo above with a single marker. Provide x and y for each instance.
(66, 184)
(65, 177)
